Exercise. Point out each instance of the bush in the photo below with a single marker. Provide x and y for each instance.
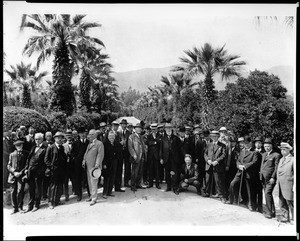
(108, 116)
(76, 121)
(58, 121)
(93, 119)
(14, 117)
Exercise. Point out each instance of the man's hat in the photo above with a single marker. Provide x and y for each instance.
(68, 132)
(268, 141)
(22, 127)
(258, 139)
(115, 123)
(138, 125)
(223, 128)
(18, 142)
(181, 129)
(153, 126)
(96, 172)
(58, 134)
(160, 125)
(82, 130)
(187, 128)
(196, 126)
(240, 139)
(215, 133)
(247, 139)
(130, 125)
(168, 125)
(285, 145)
(124, 121)
(102, 124)
(147, 127)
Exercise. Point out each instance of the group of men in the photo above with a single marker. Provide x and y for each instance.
(216, 163)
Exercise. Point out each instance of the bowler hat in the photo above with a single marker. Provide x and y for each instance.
(138, 125)
(18, 142)
(181, 129)
(285, 145)
(268, 141)
(124, 121)
(213, 133)
(258, 139)
(58, 134)
(96, 172)
(102, 124)
(168, 125)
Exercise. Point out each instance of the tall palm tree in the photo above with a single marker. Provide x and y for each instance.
(58, 35)
(27, 77)
(207, 61)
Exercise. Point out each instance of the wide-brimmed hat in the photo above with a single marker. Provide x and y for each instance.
(59, 133)
(268, 141)
(115, 123)
(214, 133)
(138, 125)
(102, 124)
(285, 145)
(223, 128)
(96, 172)
(258, 139)
(18, 142)
(124, 121)
(153, 126)
(168, 125)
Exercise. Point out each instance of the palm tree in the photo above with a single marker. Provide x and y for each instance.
(207, 61)
(59, 35)
(27, 77)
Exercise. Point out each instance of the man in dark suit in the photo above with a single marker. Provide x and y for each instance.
(169, 155)
(8, 148)
(189, 175)
(35, 169)
(268, 170)
(78, 151)
(214, 155)
(124, 133)
(153, 156)
(16, 168)
(46, 180)
(112, 154)
(102, 134)
(247, 171)
(56, 163)
(161, 132)
(30, 137)
(185, 142)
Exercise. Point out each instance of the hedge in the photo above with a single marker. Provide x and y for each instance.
(58, 121)
(76, 121)
(14, 117)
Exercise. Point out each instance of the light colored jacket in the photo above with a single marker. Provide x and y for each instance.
(285, 176)
(94, 154)
(136, 147)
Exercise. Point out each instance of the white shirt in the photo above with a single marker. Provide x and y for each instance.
(37, 147)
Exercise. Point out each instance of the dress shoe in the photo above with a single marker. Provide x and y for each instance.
(111, 195)
(223, 200)
(141, 187)
(149, 186)
(35, 209)
(79, 199)
(251, 209)
(28, 210)
(176, 191)
(260, 210)
(60, 203)
(273, 215)
(133, 189)
(88, 200)
(205, 194)
(158, 187)
(92, 203)
(67, 199)
(14, 211)
(215, 196)
(51, 207)
(119, 190)
(104, 196)
(126, 185)
(168, 189)
(146, 183)
(267, 216)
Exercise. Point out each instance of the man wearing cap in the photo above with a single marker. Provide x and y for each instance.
(169, 155)
(56, 163)
(78, 151)
(153, 156)
(124, 133)
(268, 169)
(8, 148)
(136, 148)
(247, 171)
(285, 181)
(92, 159)
(103, 131)
(35, 169)
(130, 128)
(112, 154)
(214, 156)
(16, 169)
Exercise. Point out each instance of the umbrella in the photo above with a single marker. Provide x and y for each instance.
(130, 119)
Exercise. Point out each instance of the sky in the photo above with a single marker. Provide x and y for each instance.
(140, 36)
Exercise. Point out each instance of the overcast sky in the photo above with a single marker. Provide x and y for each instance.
(154, 36)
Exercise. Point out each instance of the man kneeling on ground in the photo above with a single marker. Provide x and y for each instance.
(189, 175)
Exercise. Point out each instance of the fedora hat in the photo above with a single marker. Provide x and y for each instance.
(223, 128)
(18, 142)
(153, 126)
(124, 121)
(59, 133)
(160, 126)
(285, 145)
(215, 133)
(130, 125)
(258, 139)
(102, 124)
(115, 123)
(96, 172)
(168, 125)
(268, 141)
(138, 125)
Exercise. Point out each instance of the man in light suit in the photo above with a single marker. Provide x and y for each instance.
(285, 181)
(214, 155)
(268, 171)
(93, 158)
(136, 148)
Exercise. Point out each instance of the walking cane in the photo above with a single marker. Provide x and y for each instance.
(239, 197)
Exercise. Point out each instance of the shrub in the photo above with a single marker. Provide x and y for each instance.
(58, 121)
(76, 121)
(93, 119)
(14, 117)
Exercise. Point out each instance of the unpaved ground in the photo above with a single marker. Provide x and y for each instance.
(146, 207)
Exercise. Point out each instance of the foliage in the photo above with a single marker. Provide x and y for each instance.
(75, 121)
(57, 120)
(14, 117)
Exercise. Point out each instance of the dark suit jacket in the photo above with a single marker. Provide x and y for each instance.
(269, 164)
(249, 160)
(112, 153)
(16, 164)
(78, 151)
(218, 154)
(186, 146)
(35, 162)
(191, 175)
(153, 145)
(56, 164)
(170, 151)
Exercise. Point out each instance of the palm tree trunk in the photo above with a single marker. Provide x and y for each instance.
(26, 97)
(85, 91)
